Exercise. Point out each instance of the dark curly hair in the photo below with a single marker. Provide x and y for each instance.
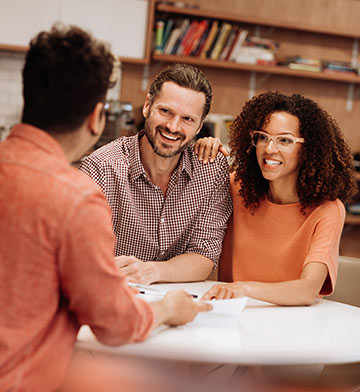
(66, 73)
(326, 170)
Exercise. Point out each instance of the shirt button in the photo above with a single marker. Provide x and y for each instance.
(162, 220)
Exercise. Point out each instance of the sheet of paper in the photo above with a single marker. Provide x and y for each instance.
(233, 306)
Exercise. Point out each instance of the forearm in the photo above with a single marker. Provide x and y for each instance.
(295, 292)
(189, 267)
(303, 291)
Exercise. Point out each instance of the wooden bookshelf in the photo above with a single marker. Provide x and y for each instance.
(272, 69)
(168, 10)
(352, 219)
(351, 32)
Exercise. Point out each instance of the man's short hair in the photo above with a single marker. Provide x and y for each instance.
(66, 73)
(184, 75)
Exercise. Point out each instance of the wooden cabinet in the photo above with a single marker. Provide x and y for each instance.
(20, 20)
(164, 12)
(124, 24)
(318, 30)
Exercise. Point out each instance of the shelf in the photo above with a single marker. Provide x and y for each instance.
(13, 48)
(272, 69)
(203, 13)
(24, 49)
(351, 219)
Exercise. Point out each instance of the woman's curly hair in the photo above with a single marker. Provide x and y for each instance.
(326, 170)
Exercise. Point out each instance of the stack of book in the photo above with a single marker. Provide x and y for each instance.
(257, 50)
(303, 64)
(211, 39)
(332, 66)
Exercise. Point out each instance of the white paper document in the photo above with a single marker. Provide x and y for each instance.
(233, 306)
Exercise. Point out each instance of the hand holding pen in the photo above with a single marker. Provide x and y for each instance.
(149, 290)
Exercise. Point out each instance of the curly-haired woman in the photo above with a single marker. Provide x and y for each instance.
(291, 173)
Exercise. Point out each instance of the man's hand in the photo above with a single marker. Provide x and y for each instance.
(225, 291)
(207, 148)
(178, 308)
(136, 270)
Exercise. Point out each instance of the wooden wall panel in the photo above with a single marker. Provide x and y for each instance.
(343, 14)
(231, 88)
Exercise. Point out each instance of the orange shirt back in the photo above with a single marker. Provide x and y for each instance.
(57, 267)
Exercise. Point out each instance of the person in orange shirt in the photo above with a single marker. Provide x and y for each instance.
(57, 266)
(291, 173)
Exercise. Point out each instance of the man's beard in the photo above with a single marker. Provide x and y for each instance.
(157, 150)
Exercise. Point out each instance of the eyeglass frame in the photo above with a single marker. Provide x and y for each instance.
(273, 138)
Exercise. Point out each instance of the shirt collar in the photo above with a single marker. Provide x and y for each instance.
(137, 169)
(41, 139)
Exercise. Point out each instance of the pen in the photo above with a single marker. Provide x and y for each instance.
(159, 293)
(143, 289)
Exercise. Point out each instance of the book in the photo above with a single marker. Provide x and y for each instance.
(338, 66)
(305, 67)
(221, 40)
(159, 34)
(183, 29)
(213, 43)
(214, 28)
(264, 43)
(254, 55)
(196, 52)
(188, 38)
(302, 60)
(240, 39)
(167, 32)
(201, 28)
(229, 43)
(303, 64)
(174, 35)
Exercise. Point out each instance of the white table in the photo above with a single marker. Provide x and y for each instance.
(263, 334)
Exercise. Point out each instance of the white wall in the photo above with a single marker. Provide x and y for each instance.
(10, 89)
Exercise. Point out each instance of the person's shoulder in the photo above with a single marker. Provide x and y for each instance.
(74, 182)
(332, 205)
(333, 209)
(220, 163)
(117, 150)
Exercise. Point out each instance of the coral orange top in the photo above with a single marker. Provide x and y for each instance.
(277, 241)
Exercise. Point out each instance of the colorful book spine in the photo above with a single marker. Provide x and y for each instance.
(196, 52)
(183, 29)
(187, 40)
(208, 53)
(229, 43)
(167, 32)
(198, 33)
(159, 35)
(210, 38)
(174, 35)
(221, 40)
(238, 44)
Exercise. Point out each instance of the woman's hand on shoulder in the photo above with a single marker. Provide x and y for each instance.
(208, 147)
(225, 291)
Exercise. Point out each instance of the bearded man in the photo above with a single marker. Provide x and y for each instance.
(169, 210)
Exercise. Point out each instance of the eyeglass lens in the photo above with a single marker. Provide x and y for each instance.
(283, 143)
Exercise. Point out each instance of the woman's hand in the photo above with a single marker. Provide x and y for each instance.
(225, 291)
(207, 148)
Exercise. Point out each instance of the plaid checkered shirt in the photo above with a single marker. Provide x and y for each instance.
(190, 218)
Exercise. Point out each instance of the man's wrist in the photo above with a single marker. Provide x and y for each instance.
(153, 271)
(162, 313)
